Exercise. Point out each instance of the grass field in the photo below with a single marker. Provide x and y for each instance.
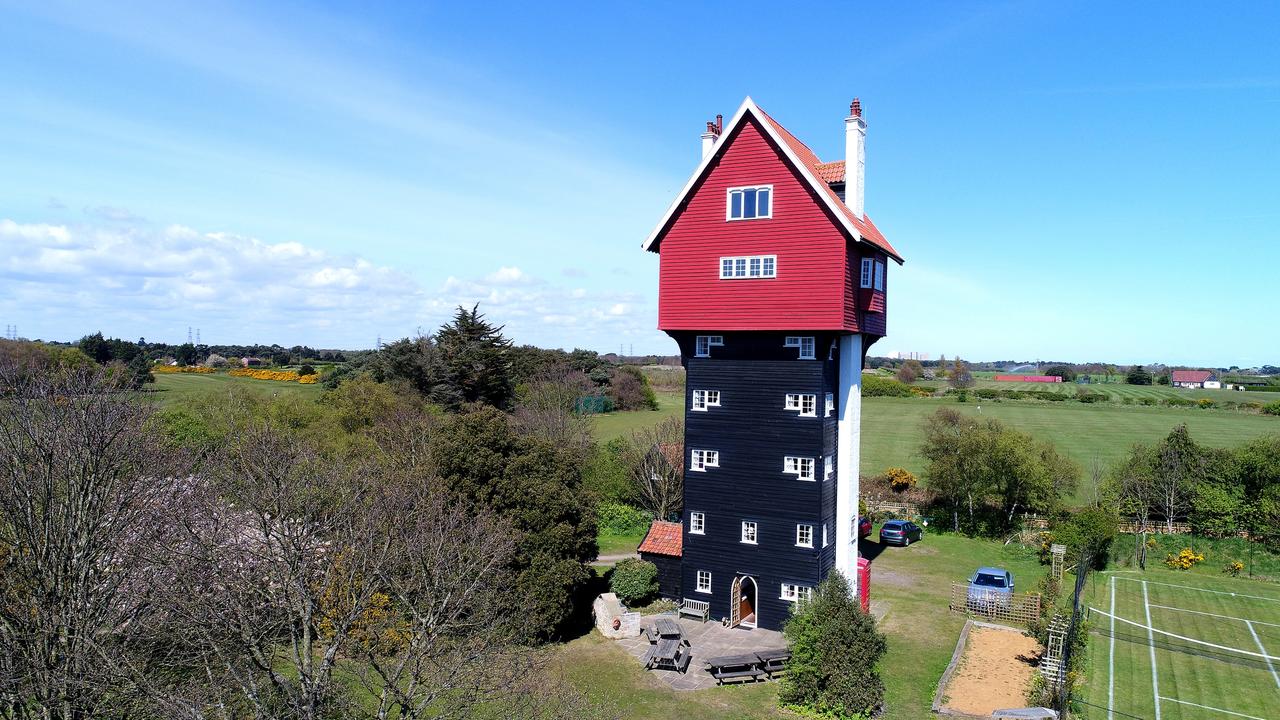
(621, 424)
(1177, 647)
(176, 389)
(1119, 391)
(892, 427)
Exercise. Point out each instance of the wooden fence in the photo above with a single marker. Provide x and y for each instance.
(900, 509)
(1021, 608)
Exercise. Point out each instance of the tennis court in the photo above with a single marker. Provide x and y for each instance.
(1171, 647)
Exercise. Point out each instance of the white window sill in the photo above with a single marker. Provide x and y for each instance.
(704, 592)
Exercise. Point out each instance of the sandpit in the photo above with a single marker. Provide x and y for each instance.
(993, 673)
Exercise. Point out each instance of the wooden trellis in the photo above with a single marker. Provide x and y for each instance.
(1051, 665)
(1058, 553)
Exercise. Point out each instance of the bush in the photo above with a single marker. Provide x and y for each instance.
(1204, 403)
(634, 581)
(619, 519)
(1086, 396)
(835, 649)
(1184, 560)
(900, 479)
(873, 386)
(1179, 402)
(630, 390)
(1233, 568)
(306, 370)
(1272, 408)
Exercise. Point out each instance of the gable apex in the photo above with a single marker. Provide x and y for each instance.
(815, 173)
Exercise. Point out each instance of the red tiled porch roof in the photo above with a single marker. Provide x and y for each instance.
(664, 538)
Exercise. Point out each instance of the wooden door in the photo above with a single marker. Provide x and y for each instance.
(735, 607)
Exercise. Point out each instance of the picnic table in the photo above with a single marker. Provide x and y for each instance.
(735, 667)
(668, 628)
(773, 660)
(669, 654)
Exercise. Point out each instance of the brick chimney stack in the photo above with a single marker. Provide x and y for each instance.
(714, 128)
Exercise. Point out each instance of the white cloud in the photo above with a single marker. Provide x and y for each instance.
(131, 279)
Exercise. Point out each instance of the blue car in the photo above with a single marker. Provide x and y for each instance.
(990, 588)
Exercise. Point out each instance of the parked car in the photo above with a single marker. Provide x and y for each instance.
(900, 532)
(864, 527)
(990, 588)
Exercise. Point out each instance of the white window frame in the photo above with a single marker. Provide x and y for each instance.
(703, 399)
(795, 465)
(824, 534)
(703, 587)
(868, 272)
(879, 281)
(831, 404)
(806, 344)
(697, 523)
(795, 593)
(828, 469)
(748, 267)
(700, 460)
(728, 203)
(709, 341)
(798, 401)
(750, 532)
(800, 527)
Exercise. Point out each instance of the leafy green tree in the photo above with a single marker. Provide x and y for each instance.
(536, 485)
(96, 347)
(1089, 533)
(835, 655)
(139, 371)
(476, 359)
(1063, 371)
(1138, 375)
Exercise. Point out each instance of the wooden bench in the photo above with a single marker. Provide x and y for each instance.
(695, 608)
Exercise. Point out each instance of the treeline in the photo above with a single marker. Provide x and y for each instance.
(380, 552)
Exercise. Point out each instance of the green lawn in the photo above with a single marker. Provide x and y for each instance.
(618, 544)
(914, 582)
(892, 427)
(176, 389)
(621, 424)
(1198, 625)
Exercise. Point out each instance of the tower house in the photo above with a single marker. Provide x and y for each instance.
(772, 281)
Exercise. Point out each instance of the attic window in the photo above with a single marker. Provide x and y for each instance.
(752, 266)
(750, 203)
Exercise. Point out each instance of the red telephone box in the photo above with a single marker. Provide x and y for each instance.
(864, 584)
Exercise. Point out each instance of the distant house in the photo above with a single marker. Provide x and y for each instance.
(252, 362)
(1203, 379)
(663, 546)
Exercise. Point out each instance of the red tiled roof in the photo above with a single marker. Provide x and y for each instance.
(832, 172)
(1191, 376)
(664, 538)
(802, 151)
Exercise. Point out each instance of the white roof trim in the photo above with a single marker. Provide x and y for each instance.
(737, 119)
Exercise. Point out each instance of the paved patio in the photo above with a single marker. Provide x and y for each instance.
(706, 640)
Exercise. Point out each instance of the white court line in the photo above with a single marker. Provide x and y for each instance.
(1184, 638)
(1224, 617)
(1263, 650)
(1111, 657)
(1151, 645)
(1192, 587)
(1214, 709)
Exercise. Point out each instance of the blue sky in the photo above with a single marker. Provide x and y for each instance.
(1066, 180)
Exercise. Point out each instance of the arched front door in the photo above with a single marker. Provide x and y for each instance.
(742, 607)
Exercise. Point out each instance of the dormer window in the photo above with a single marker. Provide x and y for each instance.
(805, 344)
(750, 203)
(751, 266)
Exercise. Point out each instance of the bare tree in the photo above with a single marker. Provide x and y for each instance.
(82, 498)
(1134, 487)
(655, 461)
(547, 406)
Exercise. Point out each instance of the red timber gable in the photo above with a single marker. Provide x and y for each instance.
(818, 243)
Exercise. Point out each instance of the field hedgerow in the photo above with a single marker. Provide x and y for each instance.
(172, 369)
(277, 375)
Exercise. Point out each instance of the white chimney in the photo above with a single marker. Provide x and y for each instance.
(855, 159)
(713, 132)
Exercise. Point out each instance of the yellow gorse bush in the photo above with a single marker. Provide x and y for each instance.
(1184, 560)
(173, 369)
(277, 375)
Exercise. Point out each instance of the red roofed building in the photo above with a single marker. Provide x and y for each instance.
(1204, 379)
(772, 279)
(662, 546)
